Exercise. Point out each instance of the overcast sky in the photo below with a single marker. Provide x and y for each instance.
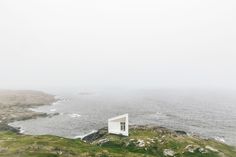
(121, 43)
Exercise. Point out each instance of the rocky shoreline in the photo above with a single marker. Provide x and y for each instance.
(142, 141)
(167, 142)
(103, 131)
(15, 106)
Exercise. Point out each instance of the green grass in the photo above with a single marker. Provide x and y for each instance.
(12, 144)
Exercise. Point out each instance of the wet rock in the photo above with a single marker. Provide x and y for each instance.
(179, 132)
(5, 127)
(50, 115)
(96, 135)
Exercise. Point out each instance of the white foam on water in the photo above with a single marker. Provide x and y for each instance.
(220, 139)
(32, 109)
(22, 130)
(53, 104)
(82, 136)
(53, 110)
(74, 115)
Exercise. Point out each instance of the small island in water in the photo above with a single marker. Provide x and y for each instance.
(142, 140)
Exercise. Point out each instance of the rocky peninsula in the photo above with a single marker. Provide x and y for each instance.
(14, 106)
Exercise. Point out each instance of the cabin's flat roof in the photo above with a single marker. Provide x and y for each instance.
(118, 117)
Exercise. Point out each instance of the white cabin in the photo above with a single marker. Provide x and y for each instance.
(119, 125)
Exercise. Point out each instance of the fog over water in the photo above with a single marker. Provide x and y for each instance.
(147, 55)
(125, 43)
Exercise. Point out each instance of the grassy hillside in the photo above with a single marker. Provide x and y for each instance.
(143, 141)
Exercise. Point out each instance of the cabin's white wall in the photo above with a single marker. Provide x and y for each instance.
(126, 126)
(114, 126)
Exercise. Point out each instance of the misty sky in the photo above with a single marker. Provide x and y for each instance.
(121, 43)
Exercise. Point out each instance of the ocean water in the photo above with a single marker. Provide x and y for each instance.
(210, 114)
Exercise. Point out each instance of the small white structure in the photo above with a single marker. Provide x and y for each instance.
(119, 125)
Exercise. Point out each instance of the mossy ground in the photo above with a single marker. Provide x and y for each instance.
(141, 142)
